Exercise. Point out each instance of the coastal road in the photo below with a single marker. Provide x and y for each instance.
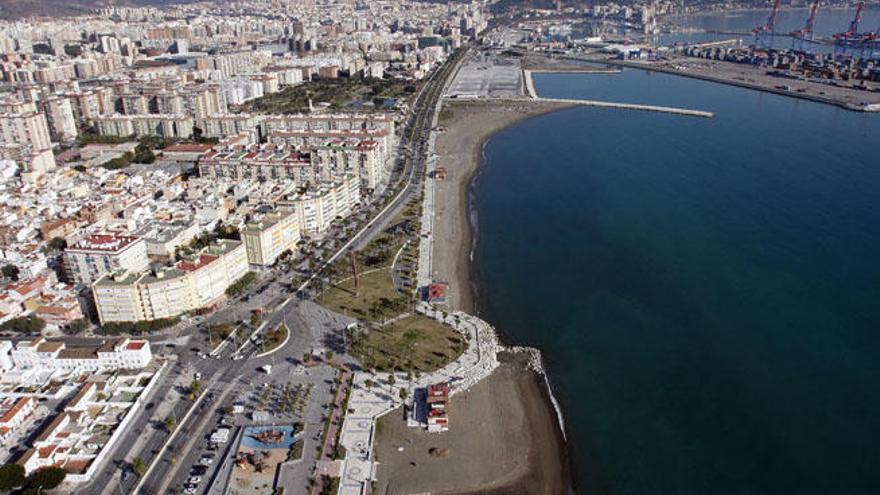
(414, 139)
(226, 374)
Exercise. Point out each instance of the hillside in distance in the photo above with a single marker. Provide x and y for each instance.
(17, 9)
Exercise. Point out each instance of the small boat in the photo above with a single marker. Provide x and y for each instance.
(269, 437)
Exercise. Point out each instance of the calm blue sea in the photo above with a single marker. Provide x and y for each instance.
(706, 291)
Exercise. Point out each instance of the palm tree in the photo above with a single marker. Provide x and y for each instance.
(138, 466)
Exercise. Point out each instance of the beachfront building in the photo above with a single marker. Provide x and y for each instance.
(363, 158)
(269, 235)
(193, 283)
(316, 210)
(91, 258)
(437, 397)
(267, 163)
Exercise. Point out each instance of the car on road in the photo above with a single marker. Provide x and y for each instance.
(194, 480)
(206, 461)
(190, 489)
(198, 470)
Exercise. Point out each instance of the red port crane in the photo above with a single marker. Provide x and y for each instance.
(805, 34)
(807, 30)
(854, 25)
(763, 34)
(771, 21)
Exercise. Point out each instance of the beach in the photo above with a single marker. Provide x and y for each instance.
(468, 126)
(505, 435)
(503, 439)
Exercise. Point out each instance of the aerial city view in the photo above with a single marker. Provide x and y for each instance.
(277, 247)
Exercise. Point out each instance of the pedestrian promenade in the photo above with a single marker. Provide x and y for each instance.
(372, 396)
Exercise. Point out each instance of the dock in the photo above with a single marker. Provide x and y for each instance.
(633, 106)
(533, 95)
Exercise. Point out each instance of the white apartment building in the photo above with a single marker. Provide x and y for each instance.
(193, 283)
(29, 129)
(316, 210)
(221, 126)
(13, 412)
(98, 254)
(362, 158)
(113, 354)
(59, 114)
(242, 89)
(269, 236)
(168, 126)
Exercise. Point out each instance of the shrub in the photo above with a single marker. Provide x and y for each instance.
(11, 476)
(24, 324)
(45, 478)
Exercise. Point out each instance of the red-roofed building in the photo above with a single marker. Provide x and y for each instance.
(185, 153)
(436, 292)
(13, 412)
(437, 397)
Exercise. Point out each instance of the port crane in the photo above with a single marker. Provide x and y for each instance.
(764, 34)
(805, 34)
(852, 35)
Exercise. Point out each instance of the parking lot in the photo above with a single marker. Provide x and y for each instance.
(290, 394)
(487, 76)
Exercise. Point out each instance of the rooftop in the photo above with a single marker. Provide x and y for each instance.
(105, 243)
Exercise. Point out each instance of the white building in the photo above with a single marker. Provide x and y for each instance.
(114, 354)
(59, 115)
(316, 210)
(92, 257)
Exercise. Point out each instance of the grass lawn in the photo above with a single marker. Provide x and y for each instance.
(221, 330)
(415, 343)
(376, 299)
(338, 92)
(274, 338)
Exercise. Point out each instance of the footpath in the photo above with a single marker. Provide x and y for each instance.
(372, 396)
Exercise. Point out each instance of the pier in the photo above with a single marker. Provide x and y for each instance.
(633, 106)
(533, 95)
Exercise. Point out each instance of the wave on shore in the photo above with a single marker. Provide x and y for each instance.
(536, 361)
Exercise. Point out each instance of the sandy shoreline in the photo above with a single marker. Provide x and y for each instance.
(459, 149)
(459, 152)
(502, 440)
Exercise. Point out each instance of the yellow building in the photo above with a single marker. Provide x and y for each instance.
(193, 283)
(270, 235)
